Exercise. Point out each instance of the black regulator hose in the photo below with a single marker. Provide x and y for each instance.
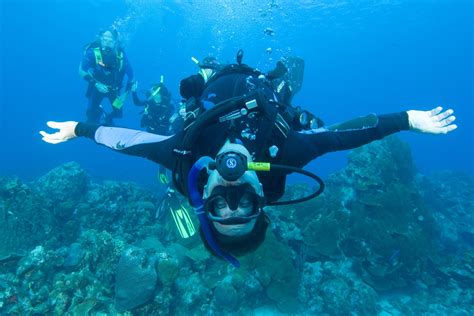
(311, 175)
(232, 165)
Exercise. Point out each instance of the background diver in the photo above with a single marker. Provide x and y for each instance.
(158, 108)
(104, 66)
(247, 124)
(157, 114)
(286, 79)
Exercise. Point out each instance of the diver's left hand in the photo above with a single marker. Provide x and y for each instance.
(433, 122)
(65, 133)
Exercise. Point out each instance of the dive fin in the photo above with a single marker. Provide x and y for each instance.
(179, 213)
(295, 75)
(183, 221)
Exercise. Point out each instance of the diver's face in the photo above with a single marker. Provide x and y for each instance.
(245, 208)
(107, 40)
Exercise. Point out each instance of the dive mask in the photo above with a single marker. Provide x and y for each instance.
(234, 197)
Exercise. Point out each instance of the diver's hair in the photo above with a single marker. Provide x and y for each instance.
(240, 245)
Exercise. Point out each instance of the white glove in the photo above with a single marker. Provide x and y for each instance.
(65, 133)
(433, 121)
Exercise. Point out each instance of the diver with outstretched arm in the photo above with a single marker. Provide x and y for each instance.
(241, 137)
(231, 214)
(248, 230)
(159, 148)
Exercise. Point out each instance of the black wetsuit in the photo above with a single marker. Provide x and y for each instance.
(295, 148)
(300, 147)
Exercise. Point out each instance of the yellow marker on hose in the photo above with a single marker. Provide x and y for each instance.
(258, 166)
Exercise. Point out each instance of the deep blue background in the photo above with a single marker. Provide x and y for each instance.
(373, 56)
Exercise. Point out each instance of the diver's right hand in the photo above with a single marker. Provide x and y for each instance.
(101, 87)
(65, 133)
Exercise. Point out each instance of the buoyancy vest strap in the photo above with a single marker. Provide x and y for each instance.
(98, 56)
(99, 60)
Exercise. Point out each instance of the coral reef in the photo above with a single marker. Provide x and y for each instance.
(135, 279)
(25, 220)
(381, 240)
(373, 214)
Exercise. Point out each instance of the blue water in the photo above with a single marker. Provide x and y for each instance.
(361, 57)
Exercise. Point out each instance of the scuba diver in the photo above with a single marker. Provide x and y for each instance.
(157, 114)
(104, 66)
(158, 108)
(232, 159)
(286, 79)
